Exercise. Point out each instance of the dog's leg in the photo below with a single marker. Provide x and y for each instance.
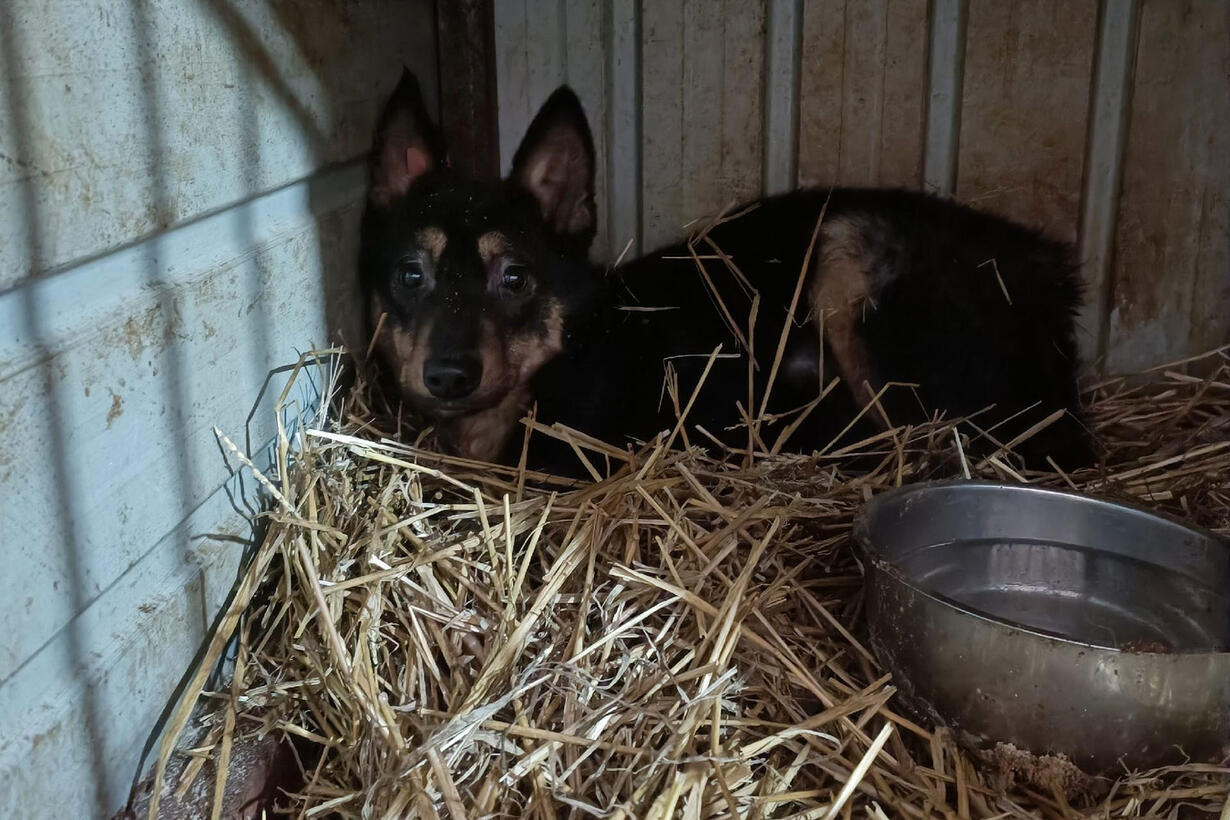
(842, 289)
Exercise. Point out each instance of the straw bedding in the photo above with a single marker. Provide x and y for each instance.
(683, 638)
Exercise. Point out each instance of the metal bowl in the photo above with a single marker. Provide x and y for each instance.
(1053, 621)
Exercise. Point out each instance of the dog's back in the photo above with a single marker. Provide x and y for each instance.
(909, 288)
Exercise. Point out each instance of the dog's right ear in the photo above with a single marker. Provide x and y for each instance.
(407, 143)
(555, 164)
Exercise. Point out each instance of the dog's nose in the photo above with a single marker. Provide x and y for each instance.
(454, 377)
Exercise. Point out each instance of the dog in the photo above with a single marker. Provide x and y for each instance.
(484, 306)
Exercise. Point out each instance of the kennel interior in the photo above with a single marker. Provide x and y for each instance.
(181, 186)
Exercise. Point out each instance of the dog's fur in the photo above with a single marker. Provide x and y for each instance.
(483, 290)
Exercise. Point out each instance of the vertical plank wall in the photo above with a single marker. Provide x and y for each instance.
(1171, 294)
(703, 64)
(863, 91)
(1107, 124)
(1028, 68)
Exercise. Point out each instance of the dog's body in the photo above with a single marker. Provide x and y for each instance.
(490, 306)
(911, 289)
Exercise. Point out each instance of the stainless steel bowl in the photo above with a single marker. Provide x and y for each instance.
(1053, 621)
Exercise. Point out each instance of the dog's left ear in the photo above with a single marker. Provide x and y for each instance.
(555, 163)
(407, 143)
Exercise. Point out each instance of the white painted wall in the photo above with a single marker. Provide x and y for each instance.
(179, 195)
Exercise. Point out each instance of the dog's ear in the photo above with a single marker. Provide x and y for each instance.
(555, 163)
(407, 143)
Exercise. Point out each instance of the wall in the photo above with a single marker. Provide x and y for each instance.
(1107, 124)
(178, 202)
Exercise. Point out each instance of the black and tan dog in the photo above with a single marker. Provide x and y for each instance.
(487, 304)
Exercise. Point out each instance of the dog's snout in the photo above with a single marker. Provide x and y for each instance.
(454, 377)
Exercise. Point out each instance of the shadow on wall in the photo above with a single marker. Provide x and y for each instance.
(68, 492)
(310, 73)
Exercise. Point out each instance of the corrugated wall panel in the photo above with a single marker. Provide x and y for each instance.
(1028, 67)
(783, 47)
(1108, 117)
(585, 64)
(863, 86)
(1023, 107)
(662, 120)
(742, 101)
(1171, 277)
(703, 120)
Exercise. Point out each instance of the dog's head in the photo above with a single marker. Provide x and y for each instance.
(468, 281)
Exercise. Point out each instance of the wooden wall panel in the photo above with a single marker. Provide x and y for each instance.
(1028, 68)
(863, 72)
(662, 120)
(512, 35)
(743, 61)
(585, 69)
(702, 95)
(466, 47)
(540, 45)
(1171, 280)
(700, 127)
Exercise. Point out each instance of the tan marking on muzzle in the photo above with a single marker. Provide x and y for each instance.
(484, 434)
(840, 292)
(491, 245)
(433, 241)
(402, 350)
(528, 352)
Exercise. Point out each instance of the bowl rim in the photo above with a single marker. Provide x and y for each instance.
(881, 565)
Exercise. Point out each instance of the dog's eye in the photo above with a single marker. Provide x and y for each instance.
(514, 278)
(410, 273)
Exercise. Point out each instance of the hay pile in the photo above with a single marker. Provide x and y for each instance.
(445, 639)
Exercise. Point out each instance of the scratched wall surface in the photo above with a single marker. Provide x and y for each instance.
(1171, 277)
(179, 191)
(1085, 119)
(143, 115)
(1028, 68)
(703, 79)
(863, 83)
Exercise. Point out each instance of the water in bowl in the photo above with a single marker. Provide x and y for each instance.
(1084, 595)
